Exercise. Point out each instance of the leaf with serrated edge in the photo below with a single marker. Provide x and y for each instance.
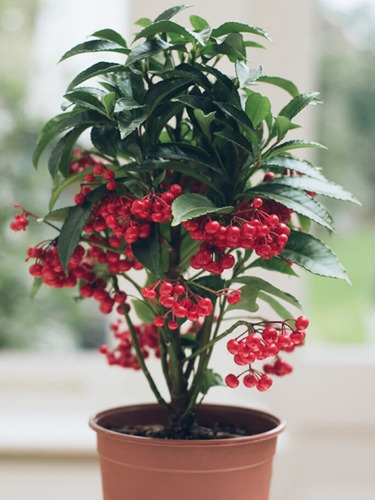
(313, 255)
(248, 302)
(191, 205)
(263, 285)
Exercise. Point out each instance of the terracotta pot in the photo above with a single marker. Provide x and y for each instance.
(139, 468)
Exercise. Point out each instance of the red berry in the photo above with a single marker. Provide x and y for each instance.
(302, 323)
(232, 381)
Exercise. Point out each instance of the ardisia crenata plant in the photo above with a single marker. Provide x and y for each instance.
(189, 182)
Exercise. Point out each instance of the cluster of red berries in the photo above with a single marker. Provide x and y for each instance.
(81, 270)
(181, 302)
(21, 220)
(130, 218)
(259, 225)
(123, 354)
(264, 340)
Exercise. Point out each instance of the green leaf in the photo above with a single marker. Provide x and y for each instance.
(109, 102)
(295, 200)
(127, 125)
(294, 164)
(147, 49)
(274, 264)
(233, 27)
(276, 306)
(183, 152)
(245, 75)
(164, 26)
(196, 102)
(294, 144)
(237, 114)
(58, 215)
(318, 186)
(264, 286)
(248, 302)
(94, 46)
(61, 154)
(163, 89)
(143, 21)
(284, 84)
(111, 35)
(147, 251)
(282, 126)
(206, 286)
(124, 104)
(100, 68)
(191, 205)
(59, 124)
(312, 254)
(86, 99)
(198, 23)
(143, 311)
(204, 120)
(169, 13)
(237, 139)
(72, 228)
(105, 138)
(210, 379)
(298, 103)
(257, 107)
(59, 188)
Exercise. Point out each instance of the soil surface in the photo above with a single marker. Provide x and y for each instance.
(217, 431)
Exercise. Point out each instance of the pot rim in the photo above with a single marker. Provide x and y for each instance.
(94, 423)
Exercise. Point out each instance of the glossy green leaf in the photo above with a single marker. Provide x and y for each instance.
(237, 114)
(245, 75)
(111, 35)
(264, 286)
(105, 139)
(95, 46)
(147, 49)
(275, 264)
(282, 126)
(109, 102)
(234, 27)
(72, 228)
(172, 11)
(86, 99)
(210, 379)
(124, 104)
(164, 26)
(248, 302)
(313, 255)
(127, 125)
(298, 103)
(257, 107)
(283, 83)
(204, 120)
(143, 311)
(143, 21)
(147, 251)
(317, 186)
(59, 188)
(198, 23)
(293, 144)
(58, 215)
(37, 283)
(295, 200)
(183, 152)
(237, 139)
(60, 157)
(279, 309)
(191, 205)
(97, 69)
(294, 164)
(206, 286)
(59, 124)
(196, 102)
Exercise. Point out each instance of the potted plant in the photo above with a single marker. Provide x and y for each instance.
(189, 186)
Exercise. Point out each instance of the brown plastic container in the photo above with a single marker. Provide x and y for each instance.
(139, 468)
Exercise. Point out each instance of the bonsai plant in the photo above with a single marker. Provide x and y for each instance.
(191, 185)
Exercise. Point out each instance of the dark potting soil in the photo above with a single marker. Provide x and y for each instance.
(217, 431)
